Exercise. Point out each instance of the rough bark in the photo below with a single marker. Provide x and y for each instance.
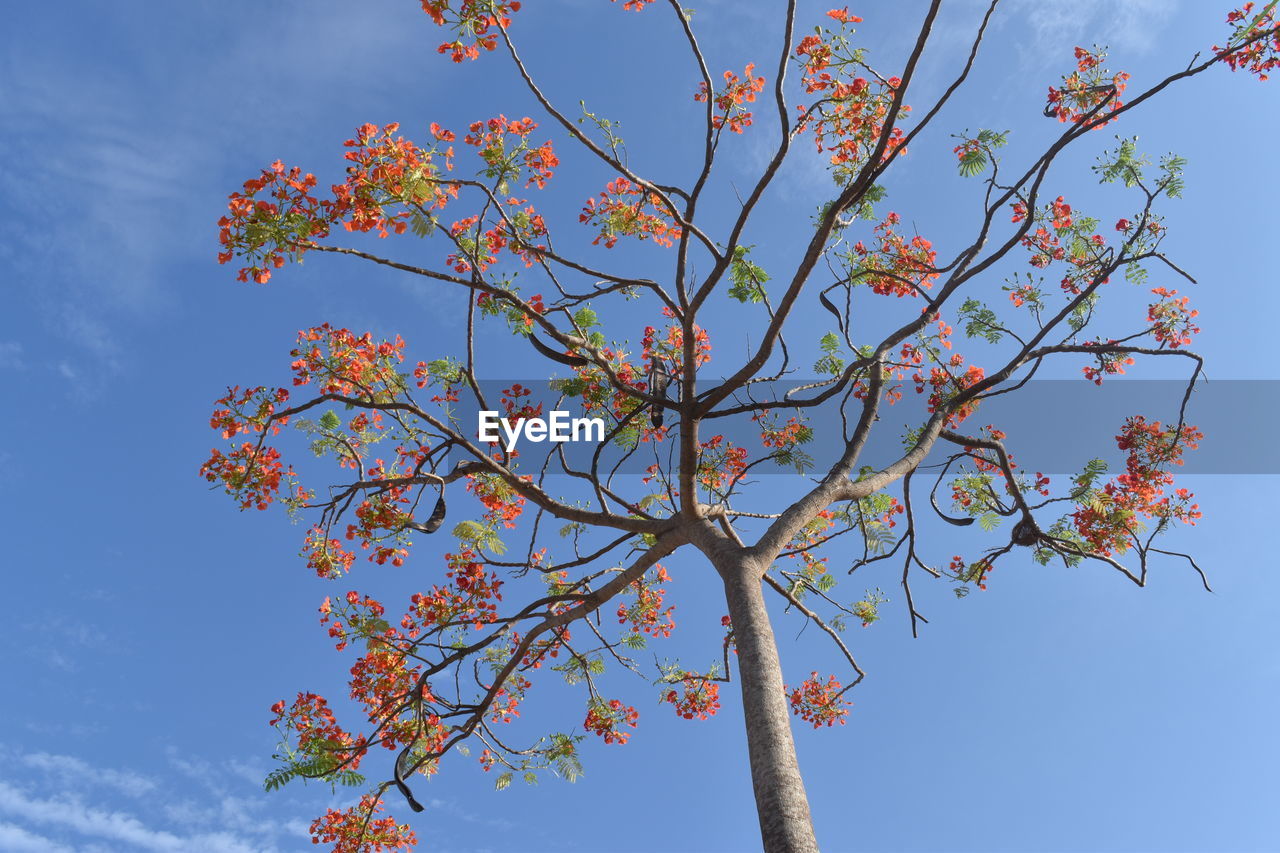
(783, 807)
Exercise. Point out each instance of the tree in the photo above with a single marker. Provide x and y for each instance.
(457, 666)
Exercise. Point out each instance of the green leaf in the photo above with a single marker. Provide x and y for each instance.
(420, 225)
(1173, 167)
(476, 534)
(503, 781)
(278, 778)
(330, 421)
(993, 138)
(447, 370)
(747, 279)
(980, 321)
(349, 778)
(972, 162)
(830, 363)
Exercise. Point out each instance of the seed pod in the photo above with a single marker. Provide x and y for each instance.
(434, 522)
(1024, 533)
(658, 381)
(830, 306)
(563, 358)
(399, 780)
(949, 519)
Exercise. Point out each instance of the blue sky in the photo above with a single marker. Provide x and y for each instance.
(151, 625)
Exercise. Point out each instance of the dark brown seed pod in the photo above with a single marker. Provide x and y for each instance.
(434, 522)
(563, 358)
(658, 381)
(1024, 533)
(830, 306)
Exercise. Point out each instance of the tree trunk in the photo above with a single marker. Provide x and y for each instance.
(785, 824)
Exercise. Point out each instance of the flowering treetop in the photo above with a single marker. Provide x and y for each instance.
(556, 565)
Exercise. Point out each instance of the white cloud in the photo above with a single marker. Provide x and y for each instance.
(73, 770)
(59, 730)
(11, 356)
(69, 813)
(120, 828)
(1128, 25)
(118, 184)
(58, 660)
(225, 808)
(15, 839)
(218, 817)
(453, 809)
(252, 772)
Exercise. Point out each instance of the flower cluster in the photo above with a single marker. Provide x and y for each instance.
(782, 435)
(850, 122)
(311, 722)
(388, 170)
(273, 218)
(507, 699)
(473, 21)
(503, 145)
(471, 597)
(698, 697)
(325, 555)
(729, 109)
(393, 184)
(667, 344)
(249, 411)
(1087, 89)
(341, 362)
(1260, 55)
(628, 210)
(1110, 362)
(720, 464)
(1171, 319)
(381, 520)
(1110, 522)
(896, 266)
(251, 474)
(1061, 235)
(646, 613)
(601, 395)
(502, 504)
(944, 382)
(974, 573)
(849, 118)
(356, 830)
(604, 718)
(819, 703)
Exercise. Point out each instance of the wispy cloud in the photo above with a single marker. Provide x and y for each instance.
(1128, 25)
(59, 730)
(120, 176)
(11, 357)
(70, 813)
(15, 839)
(53, 800)
(72, 769)
(453, 809)
(226, 805)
